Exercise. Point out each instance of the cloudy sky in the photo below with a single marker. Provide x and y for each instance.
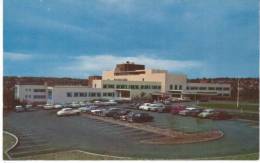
(77, 38)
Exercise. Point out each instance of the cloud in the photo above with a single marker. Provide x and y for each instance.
(17, 56)
(99, 63)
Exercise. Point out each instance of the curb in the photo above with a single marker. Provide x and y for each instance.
(10, 148)
(95, 154)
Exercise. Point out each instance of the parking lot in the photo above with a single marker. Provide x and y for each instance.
(42, 131)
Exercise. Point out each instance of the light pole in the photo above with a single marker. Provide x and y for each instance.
(238, 95)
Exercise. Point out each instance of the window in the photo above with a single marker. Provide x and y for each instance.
(104, 94)
(193, 88)
(104, 86)
(142, 87)
(187, 88)
(180, 87)
(95, 86)
(111, 86)
(219, 88)
(203, 88)
(175, 87)
(81, 94)
(92, 94)
(49, 94)
(69, 94)
(171, 87)
(110, 94)
(39, 90)
(143, 79)
(226, 88)
(98, 94)
(76, 94)
(86, 94)
(39, 96)
(211, 88)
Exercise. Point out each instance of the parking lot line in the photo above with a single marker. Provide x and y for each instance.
(33, 152)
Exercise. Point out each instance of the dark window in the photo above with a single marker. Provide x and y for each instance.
(39, 90)
(188, 88)
(175, 87)
(104, 94)
(171, 87)
(226, 89)
(98, 94)
(69, 94)
(81, 94)
(104, 86)
(39, 96)
(219, 88)
(203, 88)
(211, 88)
(76, 94)
(180, 87)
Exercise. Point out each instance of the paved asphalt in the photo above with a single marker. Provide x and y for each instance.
(42, 131)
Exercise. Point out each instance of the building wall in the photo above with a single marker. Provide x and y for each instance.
(209, 88)
(152, 75)
(31, 93)
(61, 94)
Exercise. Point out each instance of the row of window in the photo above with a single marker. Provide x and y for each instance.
(35, 96)
(176, 87)
(208, 88)
(123, 86)
(34, 90)
(90, 94)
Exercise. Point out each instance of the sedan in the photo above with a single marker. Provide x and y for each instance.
(194, 112)
(110, 112)
(87, 109)
(139, 117)
(68, 111)
(48, 106)
(57, 106)
(206, 113)
(176, 109)
(186, 111)
(121, 114)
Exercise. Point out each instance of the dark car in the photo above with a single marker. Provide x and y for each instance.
(110, 112)
(135, 105)
(120, 114)
(176, 109)
(139, 117)
(195, 112)
(220, 115)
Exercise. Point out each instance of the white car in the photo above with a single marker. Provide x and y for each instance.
(57, 106)
(74, 105)
(110, 102)
(206, 113)
(82, 103)
(96, 111)
(19, 108)
(145, 106)
(68, 111)
(48, 106)
(184, 112)
(87, 108)
(156, 107)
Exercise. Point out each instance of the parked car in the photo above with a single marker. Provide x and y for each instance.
(96, 111)
(121, 114)
(82, 103)
(110, 112)
(135, 105)
(176, 109)
(186, 111)
(139, 117)
(156, 107)
(87, 109)
(194, 112)
(110, 103)
(19, 108)
(220, 115)
(74, 105)
(48, 106)
(68, 111)
(206, 113)
(57, 106)
(145, 106)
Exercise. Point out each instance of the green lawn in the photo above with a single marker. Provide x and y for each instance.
(72, 155)
(8, 141)
(251, 156)
(244, 106)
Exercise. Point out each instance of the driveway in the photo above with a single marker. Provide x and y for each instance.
(42, 131)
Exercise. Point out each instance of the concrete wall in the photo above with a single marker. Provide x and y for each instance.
(59, 94)
(27, 93)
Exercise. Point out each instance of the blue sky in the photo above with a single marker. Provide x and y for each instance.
(77, 38)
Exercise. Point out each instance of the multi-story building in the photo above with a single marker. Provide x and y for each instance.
(31, 93)
(126, 81)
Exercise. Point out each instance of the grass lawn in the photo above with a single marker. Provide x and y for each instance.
(245, 106)
(72, 155)
(8, 141)
(251, 156)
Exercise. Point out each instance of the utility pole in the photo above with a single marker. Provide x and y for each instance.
(238, 93)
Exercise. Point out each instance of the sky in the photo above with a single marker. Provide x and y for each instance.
(78, 38)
